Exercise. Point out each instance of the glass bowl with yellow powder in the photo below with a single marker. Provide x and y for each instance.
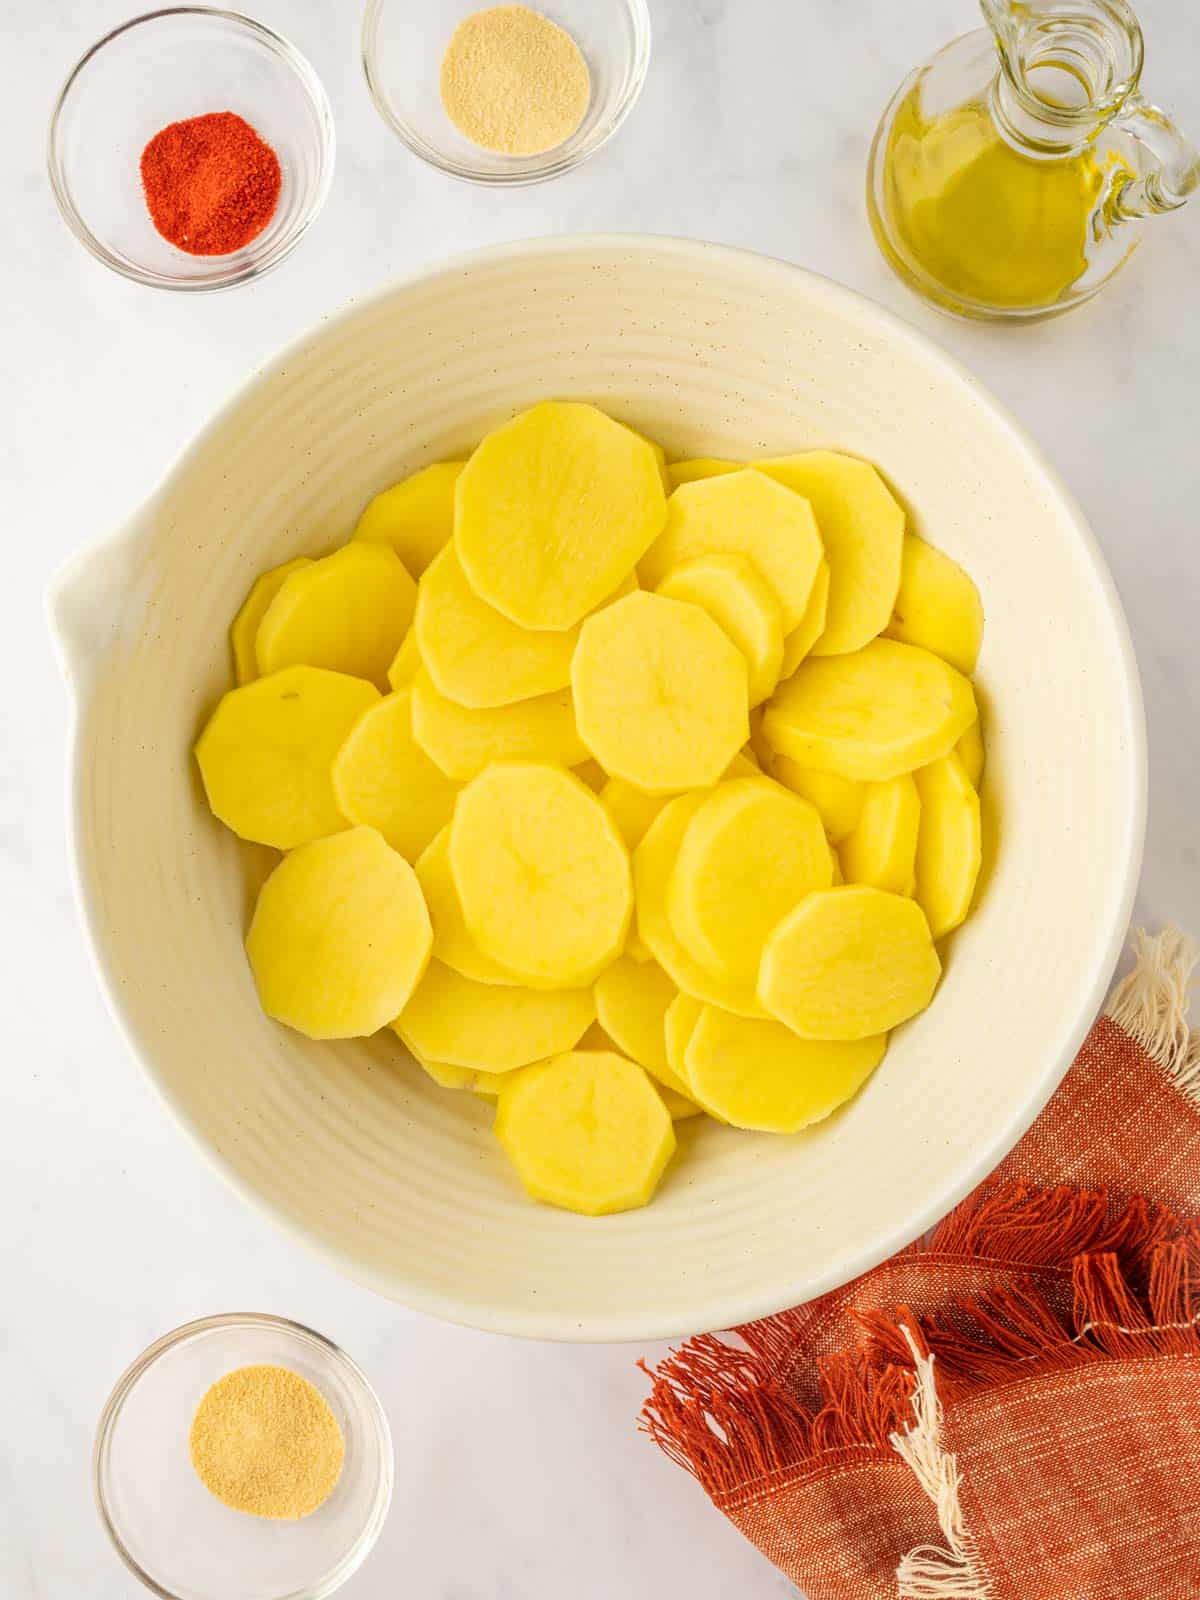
(243, 1457)
(505, 94)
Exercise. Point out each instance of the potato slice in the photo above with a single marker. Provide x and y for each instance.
(415, 516)
(970, 751)
(751, 851)
(487, 1027)
(884, 710)
(631, 1001)
(799, 642)
(937, 607)
(679, 1106)
(474, 654)
(747, 514)
(348, 612)
(406, 663)
(743, 606)
(759, 1075)
(266, 754)
(653, 863)
(848, 963)
(463, 741)
(485, 1084)
(660, 693)
(383, 779)
(882, 850)
(340, 936)
(839, 801)
(862, 529)
(243, 631)
(553, 510)
(542, 873)
(586, 1131)
(452, 943)
(631, 809)
(681, 1017)
(700, 467)
(949, 845)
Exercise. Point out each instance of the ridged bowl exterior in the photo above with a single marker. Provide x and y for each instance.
(400, 1184)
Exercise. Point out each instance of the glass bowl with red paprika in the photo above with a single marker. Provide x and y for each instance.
(191, 148)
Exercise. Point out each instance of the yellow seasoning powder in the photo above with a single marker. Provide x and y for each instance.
(514, 82)
(264, 1440)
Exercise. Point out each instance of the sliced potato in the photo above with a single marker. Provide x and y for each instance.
(631, 1001)
(679, 1106)
(463, 741)
(266, 754)
(487, 1027)
(799, 642)
(970, 751)
(243, 631)
(681, 1017)
(452, 942)
(760, 1075)
(747, 514)
(883, 710)
(882, 850)
(839, 801)
(862, 529)
(348, 612)
(937, 607)
(742, 604)
(383, 779)
(485, 1084)
(660, 693)
(542, 873)
(631, 809)
(474, 654)
(700, 467)
(949, 846)
(849, 962)
(586, 1131)
(751, 851)
(415, 516)
(653, 863)
(339, 937)
(554, 509)
(406, 663)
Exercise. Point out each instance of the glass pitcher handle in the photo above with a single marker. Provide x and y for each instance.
(1172, 164)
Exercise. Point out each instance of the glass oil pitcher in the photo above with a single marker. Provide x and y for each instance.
(1010, 172)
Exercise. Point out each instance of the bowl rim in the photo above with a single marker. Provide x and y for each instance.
(306, 74)
(629, 1326)
(358, 1552)
(535, 169)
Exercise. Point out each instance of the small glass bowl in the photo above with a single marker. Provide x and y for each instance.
(403, 42)
(161, 68)
(180, 1540)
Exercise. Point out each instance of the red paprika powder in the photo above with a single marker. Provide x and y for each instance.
(211, 183)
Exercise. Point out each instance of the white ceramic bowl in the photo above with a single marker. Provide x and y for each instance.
(399, 1183)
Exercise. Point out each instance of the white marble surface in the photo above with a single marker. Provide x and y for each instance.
(520, 1475)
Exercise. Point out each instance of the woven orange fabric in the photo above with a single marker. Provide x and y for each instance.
(1012, 1406)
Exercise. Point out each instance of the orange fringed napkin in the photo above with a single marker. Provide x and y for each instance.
(1010, 1408)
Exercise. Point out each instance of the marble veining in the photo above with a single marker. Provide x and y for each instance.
(520, 1475)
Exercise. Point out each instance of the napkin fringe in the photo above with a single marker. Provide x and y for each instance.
(933, 1572)
(1014, 1333)
(1013, 1224)
(716, 1412)
(1151, 1005)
